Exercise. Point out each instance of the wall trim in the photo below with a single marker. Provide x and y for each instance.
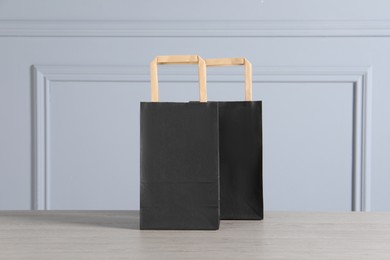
(360, 77)
(194, 28)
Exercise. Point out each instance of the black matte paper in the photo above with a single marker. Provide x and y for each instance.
(241, 171)
(179, 166)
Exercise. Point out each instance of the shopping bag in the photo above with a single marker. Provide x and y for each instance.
(240, 151)
(179, 158)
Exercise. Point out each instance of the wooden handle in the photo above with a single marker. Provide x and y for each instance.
(235, 62)
(181, 59)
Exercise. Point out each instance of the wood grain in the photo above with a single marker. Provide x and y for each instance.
(115, 235)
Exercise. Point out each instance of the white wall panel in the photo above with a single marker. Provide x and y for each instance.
(339, 38)
(59, 143)
(196, 10)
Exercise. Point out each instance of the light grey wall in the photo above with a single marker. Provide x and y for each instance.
(72, 74)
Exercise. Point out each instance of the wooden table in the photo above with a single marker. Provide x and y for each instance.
(115, 235)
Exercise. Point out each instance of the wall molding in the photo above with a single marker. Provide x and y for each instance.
(360, 77)
(188, 28)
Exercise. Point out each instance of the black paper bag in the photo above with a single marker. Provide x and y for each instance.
(240, 149)
(179, 159)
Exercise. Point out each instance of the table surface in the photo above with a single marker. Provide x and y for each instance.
(116, 235)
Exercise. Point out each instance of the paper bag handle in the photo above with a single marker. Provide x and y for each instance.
(235, 62)
(178, 59)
